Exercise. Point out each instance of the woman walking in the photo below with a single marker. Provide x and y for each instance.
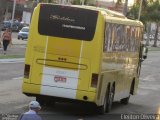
(6, 38)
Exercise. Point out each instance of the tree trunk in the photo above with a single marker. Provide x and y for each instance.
(125, 8)
(156, 36)
(148, 33)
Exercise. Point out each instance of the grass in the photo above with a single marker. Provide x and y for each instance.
(11, 56)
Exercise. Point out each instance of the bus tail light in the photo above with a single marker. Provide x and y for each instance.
(94, 80)
(26, 71)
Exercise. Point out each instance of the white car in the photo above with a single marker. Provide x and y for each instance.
(23, 33)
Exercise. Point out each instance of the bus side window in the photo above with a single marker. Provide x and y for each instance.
(108, 38)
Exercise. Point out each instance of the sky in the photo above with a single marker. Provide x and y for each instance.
(130, 2)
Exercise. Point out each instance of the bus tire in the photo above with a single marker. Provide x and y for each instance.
(108, 100)
(40, 100)
(50, 102)
(125, 101)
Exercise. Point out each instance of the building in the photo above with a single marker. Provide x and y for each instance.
(7, 8)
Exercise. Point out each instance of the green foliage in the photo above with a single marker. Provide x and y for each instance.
(76, 2)
(153, 12)
(133, 13)
(150, 11)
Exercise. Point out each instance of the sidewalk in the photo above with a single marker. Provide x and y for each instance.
(17, 50)
(15, 41)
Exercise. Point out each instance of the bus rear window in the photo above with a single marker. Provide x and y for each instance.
(67, 22)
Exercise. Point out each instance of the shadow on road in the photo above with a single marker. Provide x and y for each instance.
(81, 111)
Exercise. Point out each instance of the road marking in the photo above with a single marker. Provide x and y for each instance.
(149, 61)
(149, 78)
(143, 92)
(18, 78)
(150, 87)
(15, 60)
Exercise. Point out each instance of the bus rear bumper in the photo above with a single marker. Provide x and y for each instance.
(58, 92)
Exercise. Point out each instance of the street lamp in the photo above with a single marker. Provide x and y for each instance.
(82, 2)
(140, 9)
(13, 12)
(125, 8)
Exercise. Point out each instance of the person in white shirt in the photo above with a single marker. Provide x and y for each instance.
(34, 108)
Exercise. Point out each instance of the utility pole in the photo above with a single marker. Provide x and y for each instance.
(13, 12)
(140, 9)
(35, 2)
(82, 2)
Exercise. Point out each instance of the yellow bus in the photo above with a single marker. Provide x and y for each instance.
(82, 53)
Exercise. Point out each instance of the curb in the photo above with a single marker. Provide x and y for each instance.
(19, 44)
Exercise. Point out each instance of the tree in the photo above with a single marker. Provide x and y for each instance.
(150, 13)
(153, 15)
(119, 2)
(79, 2)
(125, 8)
(133, 13)
(76, 2)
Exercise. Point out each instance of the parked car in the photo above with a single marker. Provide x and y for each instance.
(5, 24)
(23, 33)
(15, 26)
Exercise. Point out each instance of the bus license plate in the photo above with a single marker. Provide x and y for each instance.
(60, 79)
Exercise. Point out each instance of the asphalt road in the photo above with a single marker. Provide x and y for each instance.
(146, 101)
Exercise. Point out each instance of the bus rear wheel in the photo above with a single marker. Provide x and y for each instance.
(40, 100)
(45, 101)
(125, 101)
(108, 100)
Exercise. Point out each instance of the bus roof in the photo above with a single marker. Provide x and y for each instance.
(110, 16)
(124, 21)
(107, 11)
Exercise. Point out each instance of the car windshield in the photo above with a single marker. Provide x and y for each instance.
(25, 30)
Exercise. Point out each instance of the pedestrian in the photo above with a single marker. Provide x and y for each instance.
(34, 108)
(6, 39)
(0, 39)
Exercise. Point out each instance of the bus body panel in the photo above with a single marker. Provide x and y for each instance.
(61, 64)
(120, 63)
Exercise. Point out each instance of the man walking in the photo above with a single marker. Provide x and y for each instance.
(34, 108)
